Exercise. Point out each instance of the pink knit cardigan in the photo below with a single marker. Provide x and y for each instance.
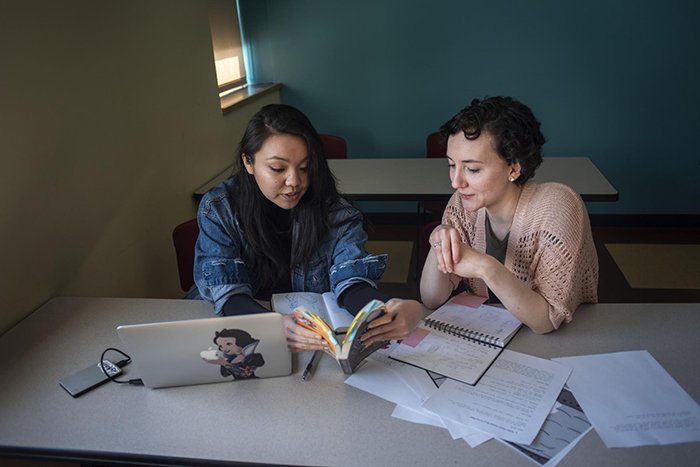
(550, 246)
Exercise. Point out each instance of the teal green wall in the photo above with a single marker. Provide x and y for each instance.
(617, 81)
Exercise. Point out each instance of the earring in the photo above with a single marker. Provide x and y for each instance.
(512, 179)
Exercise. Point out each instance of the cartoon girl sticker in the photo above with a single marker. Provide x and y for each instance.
(236, 355)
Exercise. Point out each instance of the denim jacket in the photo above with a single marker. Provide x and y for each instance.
(220, 270)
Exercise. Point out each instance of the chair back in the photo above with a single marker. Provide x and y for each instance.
(434, 147)
(184, 238)
(334, 147)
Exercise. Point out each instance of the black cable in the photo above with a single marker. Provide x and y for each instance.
(120, 364)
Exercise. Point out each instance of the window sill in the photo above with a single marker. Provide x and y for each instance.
(247, 94)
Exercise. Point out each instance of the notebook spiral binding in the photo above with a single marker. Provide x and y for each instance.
(478, 337)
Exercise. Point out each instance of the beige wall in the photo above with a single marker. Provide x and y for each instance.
(109, 119)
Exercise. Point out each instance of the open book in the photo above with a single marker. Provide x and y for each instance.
(459, 342)
(350, 352)
(322, 305)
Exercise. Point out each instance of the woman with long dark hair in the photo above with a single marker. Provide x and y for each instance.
(279, 225)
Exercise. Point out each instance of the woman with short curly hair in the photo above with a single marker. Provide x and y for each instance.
(523, 244)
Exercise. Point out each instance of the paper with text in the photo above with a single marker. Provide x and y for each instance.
(511, 401)
(564, 427)
(632, 400)
(486, 322)
(455, 357)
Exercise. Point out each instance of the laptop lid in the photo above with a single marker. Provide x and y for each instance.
(208, 350)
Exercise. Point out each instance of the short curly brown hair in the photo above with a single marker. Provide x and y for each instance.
(512, 125)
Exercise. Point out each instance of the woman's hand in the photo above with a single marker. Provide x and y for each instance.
(437, 281)
(300, 339)
(474, 264)
(454, 256)
(447, 245)
(456, 259)
(400, 318)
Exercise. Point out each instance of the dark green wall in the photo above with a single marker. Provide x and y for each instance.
(616, 81)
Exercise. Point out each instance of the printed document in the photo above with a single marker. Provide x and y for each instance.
(631, 400)
(511, 401)
(565, 426)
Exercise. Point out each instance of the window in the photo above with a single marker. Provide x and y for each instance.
(227, 44)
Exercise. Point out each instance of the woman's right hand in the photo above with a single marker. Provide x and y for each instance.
(300, 339)
(446, 243)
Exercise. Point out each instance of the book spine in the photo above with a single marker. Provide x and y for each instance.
(346, 366)
(465, 333)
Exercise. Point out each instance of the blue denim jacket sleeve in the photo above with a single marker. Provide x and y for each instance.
(219, 268)
(351, 262)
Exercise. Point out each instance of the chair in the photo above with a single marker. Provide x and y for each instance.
(184, 238)
(434, 148)
(334, 147)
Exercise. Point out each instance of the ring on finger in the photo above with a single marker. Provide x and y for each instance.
(437, 244)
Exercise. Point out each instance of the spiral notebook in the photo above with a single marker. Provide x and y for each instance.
(459, 342)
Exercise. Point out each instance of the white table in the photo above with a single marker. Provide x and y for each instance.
(285, 420)
(427, 179)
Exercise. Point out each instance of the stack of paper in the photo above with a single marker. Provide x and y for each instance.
(628, 397)
(513, 401)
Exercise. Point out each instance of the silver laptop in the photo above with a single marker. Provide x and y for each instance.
(208, 350)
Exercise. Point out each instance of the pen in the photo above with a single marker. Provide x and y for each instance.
(310, 367)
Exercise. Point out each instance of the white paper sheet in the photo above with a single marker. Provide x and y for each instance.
(472, 436)
(631, 400)
(417, 416)
(408, 387)
(380, 380)
(324, 305)
(510, 402)
(562, 430)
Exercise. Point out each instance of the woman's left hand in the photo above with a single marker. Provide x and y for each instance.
(400, 318)
(300, 339)
(454, 256)
(472, 263)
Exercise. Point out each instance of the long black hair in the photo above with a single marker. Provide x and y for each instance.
(512, 125)
(254, 210)
(243, 338)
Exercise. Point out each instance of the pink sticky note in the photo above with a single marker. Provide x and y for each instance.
(415, 337)
(473, 301)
